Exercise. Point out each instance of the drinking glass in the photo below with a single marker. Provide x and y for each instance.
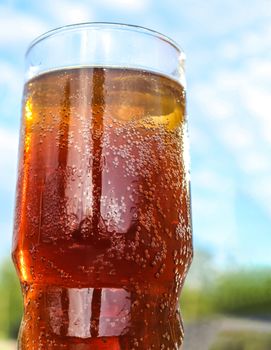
(102, 235)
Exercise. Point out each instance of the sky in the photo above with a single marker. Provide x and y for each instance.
(228, 71)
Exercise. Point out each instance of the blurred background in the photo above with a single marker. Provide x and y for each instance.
(226, 302)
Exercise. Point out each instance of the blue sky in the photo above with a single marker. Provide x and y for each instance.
(228, 69)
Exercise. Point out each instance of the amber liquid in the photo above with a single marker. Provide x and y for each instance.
(102, 238)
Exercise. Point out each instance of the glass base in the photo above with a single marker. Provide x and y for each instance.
(58, 318)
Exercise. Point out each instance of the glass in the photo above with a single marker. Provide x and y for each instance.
(102, 235)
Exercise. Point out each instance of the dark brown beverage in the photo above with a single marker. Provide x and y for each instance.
(102, 239)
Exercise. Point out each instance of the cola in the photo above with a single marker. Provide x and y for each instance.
(102, 237)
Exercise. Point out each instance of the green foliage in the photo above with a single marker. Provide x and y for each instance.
(244, 293)
(196, 300)
(196, 304)
(10, 301)
(240, 293)
(243, 341)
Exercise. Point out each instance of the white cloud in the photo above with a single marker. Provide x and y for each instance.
(212, 103)
(126, 5)
(68, 12)
(236, 106)
(247, 45)
(212, 181)
(18, 28)
(198, 139)
(254, 42)
(8, 159)
(258, 103)
(229, 50)
(250, 88)
(218, 18)
(236, 136)
(255, 162)
(11, 87)
(10, 79)
(261, 189)
(260, 69)
(214, 223)
(213, 196)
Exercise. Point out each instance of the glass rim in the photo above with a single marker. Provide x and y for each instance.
(111, 25)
